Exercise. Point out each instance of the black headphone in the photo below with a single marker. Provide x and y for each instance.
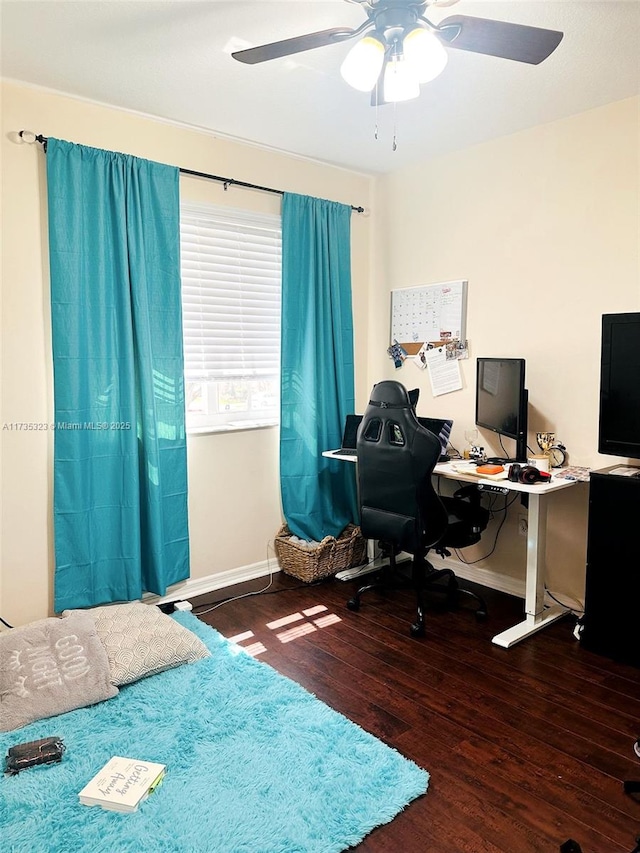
(527, 474)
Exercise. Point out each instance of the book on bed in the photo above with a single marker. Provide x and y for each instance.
(122, 784)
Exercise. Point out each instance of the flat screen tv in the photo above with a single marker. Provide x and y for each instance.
(502, 400)
(619, 422)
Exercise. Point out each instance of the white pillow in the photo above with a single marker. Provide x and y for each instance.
(141, 640)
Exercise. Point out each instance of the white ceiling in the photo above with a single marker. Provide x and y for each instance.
(171, 59)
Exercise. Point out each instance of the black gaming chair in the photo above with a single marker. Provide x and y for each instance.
(399, 506)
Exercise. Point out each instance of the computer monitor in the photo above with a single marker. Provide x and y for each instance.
(502, 399)
(619, 427)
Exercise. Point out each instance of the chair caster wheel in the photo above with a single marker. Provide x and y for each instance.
(417, 629)
(353, 604)
(481, 615)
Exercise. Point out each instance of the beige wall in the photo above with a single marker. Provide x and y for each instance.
(544, 224)
(234, 500)
(545, 227)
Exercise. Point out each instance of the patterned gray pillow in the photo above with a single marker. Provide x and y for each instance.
(49, 667)
(141, 640)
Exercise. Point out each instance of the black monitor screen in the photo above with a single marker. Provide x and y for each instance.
(619, 433)
(501, 399)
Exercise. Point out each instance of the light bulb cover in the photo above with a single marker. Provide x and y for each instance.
(425, 53)
(400, 81)
(363, 64)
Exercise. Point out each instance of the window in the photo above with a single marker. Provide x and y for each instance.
(231, 285)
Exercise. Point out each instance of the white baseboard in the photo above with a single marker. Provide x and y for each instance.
(193, 587)
(485, 577)
(512, 586)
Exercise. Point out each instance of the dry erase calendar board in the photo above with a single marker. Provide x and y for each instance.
(430, 312)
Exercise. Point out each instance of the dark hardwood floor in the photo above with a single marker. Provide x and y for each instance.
(527, 747)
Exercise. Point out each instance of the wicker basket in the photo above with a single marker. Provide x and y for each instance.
(331, 556)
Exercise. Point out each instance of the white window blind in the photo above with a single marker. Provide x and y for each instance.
(231, 285)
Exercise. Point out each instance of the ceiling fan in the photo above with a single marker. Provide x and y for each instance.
(401, 48)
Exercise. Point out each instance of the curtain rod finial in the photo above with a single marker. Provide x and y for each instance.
(30, 137)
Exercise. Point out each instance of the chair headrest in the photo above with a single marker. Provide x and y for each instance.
(390, 393)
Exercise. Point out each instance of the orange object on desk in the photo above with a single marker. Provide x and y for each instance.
(490, 469)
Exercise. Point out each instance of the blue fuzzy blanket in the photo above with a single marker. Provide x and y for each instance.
(256, 764)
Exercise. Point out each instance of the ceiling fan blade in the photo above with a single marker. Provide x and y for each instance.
(499, 38)
(276, 49)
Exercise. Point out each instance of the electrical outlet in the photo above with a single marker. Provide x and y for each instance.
(523, 525)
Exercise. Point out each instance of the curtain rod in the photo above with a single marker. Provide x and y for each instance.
(30, 137)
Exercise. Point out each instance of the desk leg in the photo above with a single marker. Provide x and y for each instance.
(537, 616)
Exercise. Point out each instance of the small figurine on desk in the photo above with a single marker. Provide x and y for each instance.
(470, 436)
(477, 453)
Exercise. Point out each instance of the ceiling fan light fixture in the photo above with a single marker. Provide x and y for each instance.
(400, 81)
(363, 64)
(425, 53)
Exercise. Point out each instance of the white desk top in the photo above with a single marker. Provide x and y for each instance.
(448, 470)
(451, 470)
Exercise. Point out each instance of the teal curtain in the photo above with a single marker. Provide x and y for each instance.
(120, 478)
(317, 393)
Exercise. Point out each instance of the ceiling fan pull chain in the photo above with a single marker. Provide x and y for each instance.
(394, 146)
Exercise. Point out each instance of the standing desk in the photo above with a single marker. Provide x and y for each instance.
(537, 615)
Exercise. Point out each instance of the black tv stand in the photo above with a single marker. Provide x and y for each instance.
(612, 593)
